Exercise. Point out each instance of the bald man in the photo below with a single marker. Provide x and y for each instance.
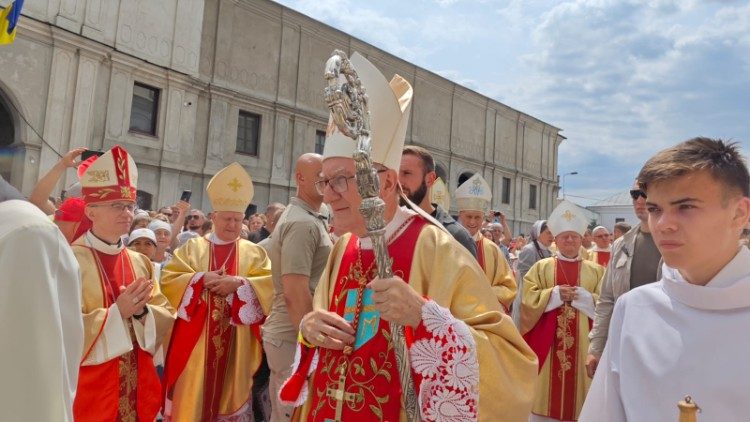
(298, 250)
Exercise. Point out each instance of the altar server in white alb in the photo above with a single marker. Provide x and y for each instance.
(687, 333)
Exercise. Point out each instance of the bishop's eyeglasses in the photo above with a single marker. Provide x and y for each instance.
(338, 184)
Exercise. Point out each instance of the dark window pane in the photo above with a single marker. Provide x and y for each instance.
(248, 133)
(506, 190)
(143, 110)
(320, 140)
(532, 197)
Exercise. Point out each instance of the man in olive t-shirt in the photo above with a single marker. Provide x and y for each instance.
(299, 250)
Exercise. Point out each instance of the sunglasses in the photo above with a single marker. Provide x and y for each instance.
(192, 217)
(635, 193)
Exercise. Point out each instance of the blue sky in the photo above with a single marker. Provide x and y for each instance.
(623, 78)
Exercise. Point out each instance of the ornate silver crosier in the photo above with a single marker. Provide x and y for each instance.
(348, 105)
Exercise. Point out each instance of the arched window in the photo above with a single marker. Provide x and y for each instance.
(7, 137)
(464, 177)
(143, 199)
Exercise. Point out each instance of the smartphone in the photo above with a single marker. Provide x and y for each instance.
(90, 153)
(497, 213)
(186, 196)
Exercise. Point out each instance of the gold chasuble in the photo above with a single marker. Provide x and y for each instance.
(117, 378)
(215, 347)
(558, 332)
(497, 270)
(463, 329)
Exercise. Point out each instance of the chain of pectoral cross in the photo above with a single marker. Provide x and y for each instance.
(338, 393)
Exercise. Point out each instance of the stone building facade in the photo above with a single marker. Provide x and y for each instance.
(184, 84)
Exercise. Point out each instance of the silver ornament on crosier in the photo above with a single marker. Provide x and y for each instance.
(347, 101)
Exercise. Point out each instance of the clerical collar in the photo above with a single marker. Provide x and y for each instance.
(213, 238)
(477, 236)
(94, 242)
(562, 257)
(598, 249)
(729, 289)
(393, 229)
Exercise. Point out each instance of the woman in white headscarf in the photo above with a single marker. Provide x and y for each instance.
(538, 248)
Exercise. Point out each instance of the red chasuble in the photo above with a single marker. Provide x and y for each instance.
(372, 390)
(125, 388)
(218, 329)
(556, 332)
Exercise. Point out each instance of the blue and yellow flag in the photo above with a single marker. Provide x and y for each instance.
(8, 20)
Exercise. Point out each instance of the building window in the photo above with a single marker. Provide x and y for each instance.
(532, 197)
(464, 177)
(144, 109)
(619, 220)
(506, 190)
(320, 140)
(248, 133)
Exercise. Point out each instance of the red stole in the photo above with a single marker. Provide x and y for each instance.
(602, 257)
(372, 381)
(558, 329)
(130, 378)
(219, 333)
(480, 253)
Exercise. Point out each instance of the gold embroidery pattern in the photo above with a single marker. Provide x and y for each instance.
(121, 168)
(360, 376)
(222, 325)
(128, 383)
(125, 192)
(234, 185)
(98, 176)
(565, 338)
(102, 193)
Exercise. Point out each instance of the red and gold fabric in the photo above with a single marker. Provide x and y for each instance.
(117, 378)
(497, 270)
(462, 327)
(215, 347)
(558, 332)
(601, 257)
(111, 177)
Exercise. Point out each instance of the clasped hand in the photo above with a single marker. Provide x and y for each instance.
(134, 297)
(220, 284)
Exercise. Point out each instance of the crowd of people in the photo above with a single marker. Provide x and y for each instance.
(111, 312)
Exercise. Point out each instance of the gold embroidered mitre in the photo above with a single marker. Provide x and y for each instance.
(231, 189)
(111, 177)
(567, 217)
(439, 194)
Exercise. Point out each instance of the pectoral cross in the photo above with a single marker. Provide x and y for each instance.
(339, 393)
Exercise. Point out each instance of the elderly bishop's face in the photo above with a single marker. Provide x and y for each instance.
(227, 225)
(340, 193)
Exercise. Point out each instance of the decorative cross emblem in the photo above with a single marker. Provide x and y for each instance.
(235, 185)
(338, 393)
(568, 215)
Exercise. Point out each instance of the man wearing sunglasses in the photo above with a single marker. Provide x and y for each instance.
(634, 261)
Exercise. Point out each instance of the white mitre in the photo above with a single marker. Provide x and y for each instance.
(440, 195)
(474, 194)
(567, 217)
(389, 104)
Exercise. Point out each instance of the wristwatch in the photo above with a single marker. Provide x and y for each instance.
(142, 314)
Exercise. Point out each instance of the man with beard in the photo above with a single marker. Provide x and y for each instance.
(416, 175)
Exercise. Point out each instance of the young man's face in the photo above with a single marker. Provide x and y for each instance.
(413, 179)
(695, 221)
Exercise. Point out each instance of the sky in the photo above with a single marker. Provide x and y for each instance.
(622, 78)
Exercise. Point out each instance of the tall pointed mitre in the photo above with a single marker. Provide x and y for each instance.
(567, 217)
(474, 194)
(111, 177)
(439, 194)
(231, 189)
(389, 104)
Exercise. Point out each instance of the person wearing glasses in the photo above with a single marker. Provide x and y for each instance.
(125, 315)
(635, 261)
(347, 370)
(602, 250)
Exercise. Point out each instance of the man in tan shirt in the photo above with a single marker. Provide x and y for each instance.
(299, 250)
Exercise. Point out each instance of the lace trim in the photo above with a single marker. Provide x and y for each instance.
(187, 297)
(250, 312)
(447, 362)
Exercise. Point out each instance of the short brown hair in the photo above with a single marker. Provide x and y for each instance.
(428, 163)
(623, 227)
(722, 159)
